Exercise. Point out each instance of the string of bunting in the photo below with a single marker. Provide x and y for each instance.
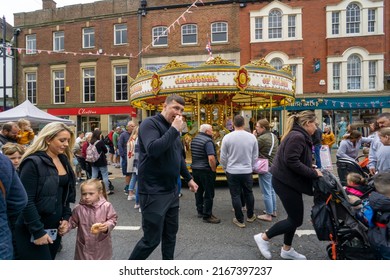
(342, 104)
(181, 19)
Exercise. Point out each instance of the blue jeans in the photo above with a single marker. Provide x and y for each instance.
(269, 196)
(317, 157)
(104, 171)
(132, 181)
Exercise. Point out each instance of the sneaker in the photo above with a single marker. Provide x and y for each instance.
(212, 220)
(139, 209)
(291, 255)
(263, 246)
(180, 194)
(136, 206)
(252, 219)
(110, 192)
(237, 223)
(131, 197)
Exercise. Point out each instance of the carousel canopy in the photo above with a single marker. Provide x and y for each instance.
(256, 85)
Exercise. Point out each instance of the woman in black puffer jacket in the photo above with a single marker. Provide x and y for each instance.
(292, 175)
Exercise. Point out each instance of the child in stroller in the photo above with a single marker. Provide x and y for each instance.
(356, 188)
(334, 220)
(346, 166)
(379, 234)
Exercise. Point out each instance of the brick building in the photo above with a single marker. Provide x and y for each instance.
(76, 60)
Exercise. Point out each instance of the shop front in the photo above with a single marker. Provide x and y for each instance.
(334, 111)
(104, 118)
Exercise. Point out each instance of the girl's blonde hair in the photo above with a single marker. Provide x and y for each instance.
(9, 149)
(301, 118)
(48, 133)
(134, 133)
(98, 184)
(23, 122)
(356, 178)
(385, 131)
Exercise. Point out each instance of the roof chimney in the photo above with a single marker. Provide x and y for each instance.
(49, 4)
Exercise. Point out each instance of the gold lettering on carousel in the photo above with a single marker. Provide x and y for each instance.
(197, 79)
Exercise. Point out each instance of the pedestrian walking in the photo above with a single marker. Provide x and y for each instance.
(204, 166)
(239, 151)
(160, 163)
(292, 175)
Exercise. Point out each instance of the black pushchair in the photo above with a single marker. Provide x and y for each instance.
(334, 220)
(346, 166)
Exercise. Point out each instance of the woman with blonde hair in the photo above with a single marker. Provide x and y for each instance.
(292, 175)
(131, 164)
(48, 178)
(268, 145)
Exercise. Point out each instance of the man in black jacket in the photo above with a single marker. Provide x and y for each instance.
(204, 165)
(160, 164)
(8, 133)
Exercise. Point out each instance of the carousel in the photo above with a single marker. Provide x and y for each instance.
(214, 92)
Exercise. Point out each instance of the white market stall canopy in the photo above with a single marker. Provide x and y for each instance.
(28, 111)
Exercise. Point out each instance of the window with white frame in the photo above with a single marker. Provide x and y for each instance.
(59, 86)
(88, 37)
(355, 70)
(356, 18)
(336, 76)
(335, 23)
(189, 33)
(31, 44)
(276, 22)
(219, 32)
(278, 60)
(291, 26)
(58, 41)
(371, 20)
(372, 74)
(160, 36)
(121, 83)
(276, 63)
(120, 34)
(259, 28)
(89, 85)
(353, 19)
(31, 87)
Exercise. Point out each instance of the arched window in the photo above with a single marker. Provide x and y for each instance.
(354, 72)
(275, 24)
(277, 63)
(353, 18)
(189, 34)
(219, 32)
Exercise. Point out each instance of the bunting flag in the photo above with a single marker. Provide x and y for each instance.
(144, 49)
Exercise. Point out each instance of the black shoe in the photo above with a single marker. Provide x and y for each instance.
(110, 192)
(212, 220)
(200, 215)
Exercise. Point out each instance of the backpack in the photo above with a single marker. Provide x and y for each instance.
(107, 141)
(92, 154)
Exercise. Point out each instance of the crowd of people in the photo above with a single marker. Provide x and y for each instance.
(39, 181)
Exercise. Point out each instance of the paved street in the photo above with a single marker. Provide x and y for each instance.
(198, 240)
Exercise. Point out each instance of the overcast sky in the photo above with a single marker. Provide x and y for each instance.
(8, 8)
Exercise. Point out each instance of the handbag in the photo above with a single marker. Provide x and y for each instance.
(261, 165)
